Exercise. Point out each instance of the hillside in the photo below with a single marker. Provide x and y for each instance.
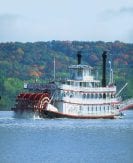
(21, 62)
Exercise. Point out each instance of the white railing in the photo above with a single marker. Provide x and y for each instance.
(94, 113)
(88, 89)
(90, 101)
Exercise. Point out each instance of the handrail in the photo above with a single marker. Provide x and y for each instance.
(88, 89)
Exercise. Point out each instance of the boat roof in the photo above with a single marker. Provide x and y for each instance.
(84, 81)
(80, 66)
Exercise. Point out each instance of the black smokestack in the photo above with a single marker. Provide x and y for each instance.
(104, 56)
(79, 57)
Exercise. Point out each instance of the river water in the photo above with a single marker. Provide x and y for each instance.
(66, 140)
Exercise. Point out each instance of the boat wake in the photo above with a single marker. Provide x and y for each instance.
(26, 115)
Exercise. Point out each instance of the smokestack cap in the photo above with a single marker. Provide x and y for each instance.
(104, 55)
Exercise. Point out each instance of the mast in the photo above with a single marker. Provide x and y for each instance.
(110, 74)
(54, 68)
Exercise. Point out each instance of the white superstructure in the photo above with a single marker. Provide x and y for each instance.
(80, 96)
(83, 95)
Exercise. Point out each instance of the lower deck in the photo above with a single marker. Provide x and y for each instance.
(83, 110)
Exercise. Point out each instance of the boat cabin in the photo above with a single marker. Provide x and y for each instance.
(81, 72)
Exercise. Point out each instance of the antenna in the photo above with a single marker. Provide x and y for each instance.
(54, 68)
(110, 73)
(111, 77)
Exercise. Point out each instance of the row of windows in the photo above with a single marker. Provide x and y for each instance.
(86, 96)
(97, 95)
(106, 108)
(83, 84)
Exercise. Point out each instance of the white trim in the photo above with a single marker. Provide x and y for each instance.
(87, 89)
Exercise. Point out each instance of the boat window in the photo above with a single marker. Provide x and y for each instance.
(84, 73)
(88, 95)
(90, 84)
(72, 83)
(79, 72)
(108, 107)
(104, 95)
(104, 108)
(64, 94)
(84, 84)
(100, 96)
(84, 95)
(67, 93)
(92, 96)
(97, 96)
(71, 94)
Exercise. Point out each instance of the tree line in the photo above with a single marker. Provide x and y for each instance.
(20, 62)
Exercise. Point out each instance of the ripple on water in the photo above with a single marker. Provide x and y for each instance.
(66, 140)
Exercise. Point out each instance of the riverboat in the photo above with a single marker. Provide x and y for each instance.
(81, 96)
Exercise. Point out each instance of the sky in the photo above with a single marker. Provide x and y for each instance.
(81, 20)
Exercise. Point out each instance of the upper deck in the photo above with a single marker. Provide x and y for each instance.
(66, 87)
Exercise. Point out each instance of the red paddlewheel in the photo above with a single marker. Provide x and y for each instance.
(32, 101)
